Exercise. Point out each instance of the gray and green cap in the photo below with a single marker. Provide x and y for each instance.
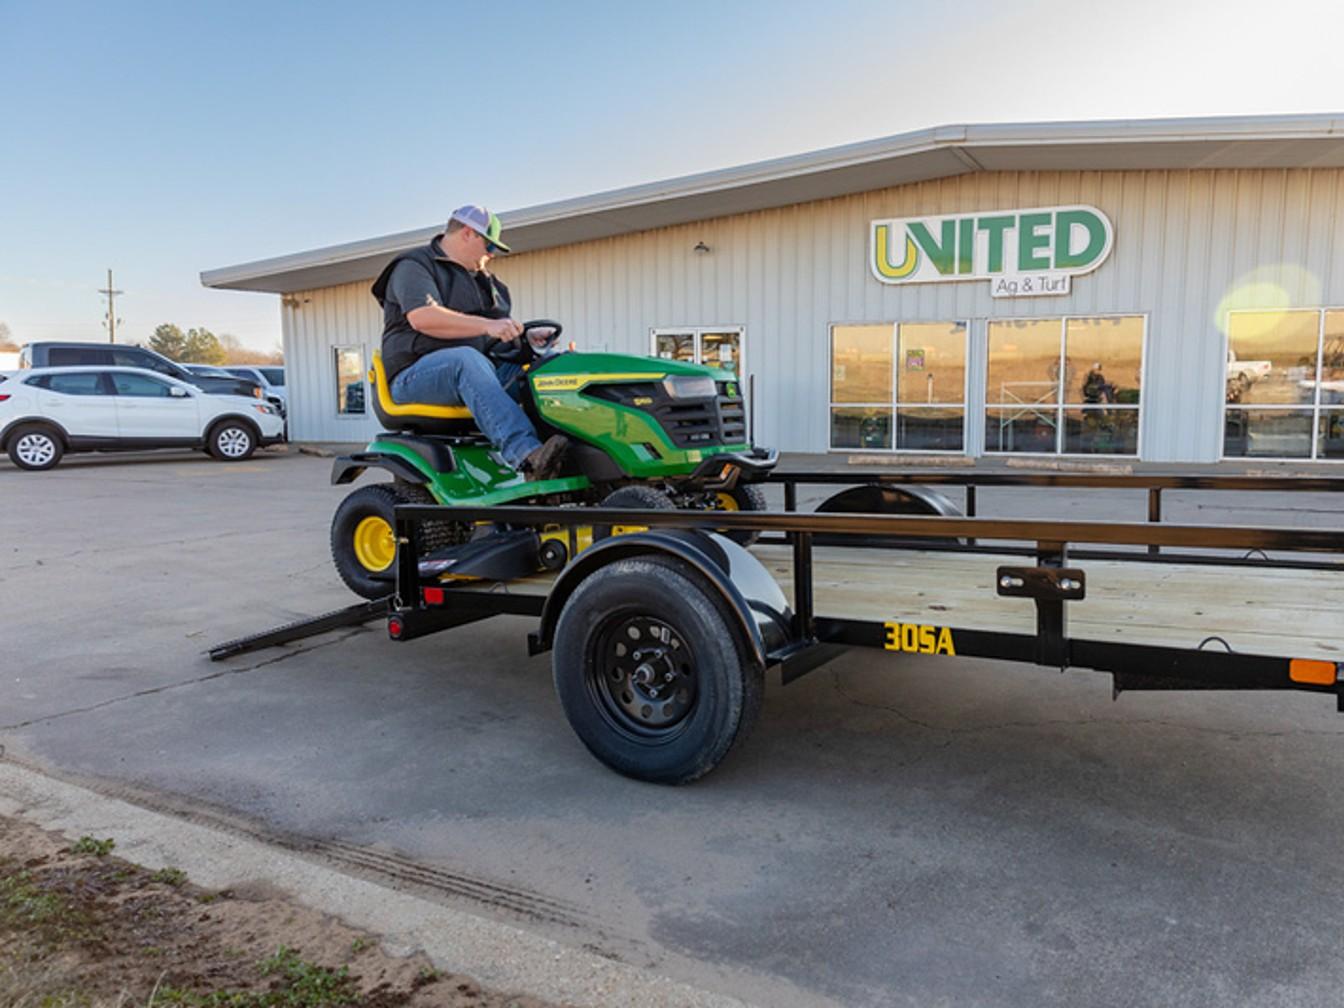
(479, 219)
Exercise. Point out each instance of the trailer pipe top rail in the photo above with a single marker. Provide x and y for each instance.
(903, 526)
(1113, 481)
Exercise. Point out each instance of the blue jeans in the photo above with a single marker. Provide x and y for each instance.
(463, 376)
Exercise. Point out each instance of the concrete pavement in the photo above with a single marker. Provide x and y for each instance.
(895, 832)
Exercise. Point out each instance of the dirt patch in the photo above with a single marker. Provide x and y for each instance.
(82, 927)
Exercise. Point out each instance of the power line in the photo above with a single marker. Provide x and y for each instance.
(111, 322)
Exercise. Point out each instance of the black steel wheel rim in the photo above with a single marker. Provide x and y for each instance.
(641, 673)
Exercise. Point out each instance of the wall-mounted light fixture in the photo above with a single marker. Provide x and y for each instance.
(293, 301)
(700, 247)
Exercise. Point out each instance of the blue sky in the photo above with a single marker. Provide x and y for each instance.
(162, 139)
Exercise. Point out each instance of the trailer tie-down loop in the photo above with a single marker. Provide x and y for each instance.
(1225, 644)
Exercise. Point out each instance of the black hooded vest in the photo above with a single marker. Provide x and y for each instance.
(459, 289)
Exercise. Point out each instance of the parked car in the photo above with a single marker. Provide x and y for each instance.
(46, 412)
(269, 377)
(63, 354)
(1242, 374)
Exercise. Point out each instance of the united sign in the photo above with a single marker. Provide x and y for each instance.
(1032, 251)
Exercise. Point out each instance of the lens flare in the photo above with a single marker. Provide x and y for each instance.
(1270, 291)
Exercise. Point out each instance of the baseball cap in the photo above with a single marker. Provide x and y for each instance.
(478, 218)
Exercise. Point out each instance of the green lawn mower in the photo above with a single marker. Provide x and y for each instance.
(645, 434)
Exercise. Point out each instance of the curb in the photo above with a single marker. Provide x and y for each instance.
(495, 955)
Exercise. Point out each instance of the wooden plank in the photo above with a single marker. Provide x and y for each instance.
(1289, 613)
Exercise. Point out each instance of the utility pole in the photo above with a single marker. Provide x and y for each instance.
(111, 322)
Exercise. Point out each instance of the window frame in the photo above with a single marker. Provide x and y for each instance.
(1060, 406)
(1316, 408)
(363, 380)
(697, 333)
(894, 405)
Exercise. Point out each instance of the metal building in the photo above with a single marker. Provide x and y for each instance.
(1163, 290)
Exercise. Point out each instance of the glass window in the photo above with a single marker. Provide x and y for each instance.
(61, 356)
(128, 384)
(718, 348)
(1285, 384)
(930, 363)
(1023, 361)
(675, 346)
(135, 357)
(861, 364)
(910, 379)
(274, 375)
(1103, 362)
(349, 380)
(74, 383)
(1064, 385)
(864, 427)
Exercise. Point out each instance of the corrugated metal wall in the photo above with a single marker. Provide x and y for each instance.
(1186, 243)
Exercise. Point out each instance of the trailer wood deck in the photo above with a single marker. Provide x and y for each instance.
(1255, 610)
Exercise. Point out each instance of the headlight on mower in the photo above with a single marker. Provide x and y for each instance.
(689, 387)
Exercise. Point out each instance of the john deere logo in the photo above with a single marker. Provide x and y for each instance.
(1021, 252)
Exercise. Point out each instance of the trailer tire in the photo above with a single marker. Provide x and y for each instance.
(668, 713)
(362, 545)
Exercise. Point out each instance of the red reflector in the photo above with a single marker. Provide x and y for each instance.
(394, 627)
(433, 596)
(3, 396)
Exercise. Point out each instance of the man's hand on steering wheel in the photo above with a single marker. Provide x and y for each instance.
(504, 329)
(539, 335)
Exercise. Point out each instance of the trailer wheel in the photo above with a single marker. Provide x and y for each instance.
(652, 673)
(363, 544)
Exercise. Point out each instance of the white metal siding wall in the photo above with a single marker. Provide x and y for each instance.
(1184, 241)
(314, 323)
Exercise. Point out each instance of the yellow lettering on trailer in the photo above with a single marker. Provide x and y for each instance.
(918, 638)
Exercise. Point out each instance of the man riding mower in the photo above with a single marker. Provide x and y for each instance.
(644, 433)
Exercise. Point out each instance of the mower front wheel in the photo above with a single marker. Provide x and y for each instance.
(743, 497)
(652, 672)
(363, 540)
(636, 496)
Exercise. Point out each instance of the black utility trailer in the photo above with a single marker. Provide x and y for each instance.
(663, 632)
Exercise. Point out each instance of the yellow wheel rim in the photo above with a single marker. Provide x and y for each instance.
(725, 502)
(375, 547)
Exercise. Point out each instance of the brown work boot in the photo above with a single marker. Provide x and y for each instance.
(544, 462)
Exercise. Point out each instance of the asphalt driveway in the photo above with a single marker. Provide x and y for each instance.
(917, 831)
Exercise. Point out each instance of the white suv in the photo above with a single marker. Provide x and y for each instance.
(46, 412)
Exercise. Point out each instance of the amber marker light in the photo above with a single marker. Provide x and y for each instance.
(1311, 672)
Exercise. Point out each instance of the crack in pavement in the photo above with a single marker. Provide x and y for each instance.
(1075, 722)
(187, 682)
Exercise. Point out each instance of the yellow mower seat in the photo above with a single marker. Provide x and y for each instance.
(423, 418)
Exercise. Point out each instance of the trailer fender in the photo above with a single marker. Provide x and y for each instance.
(875, 498)
(349, 468)
(752, 595)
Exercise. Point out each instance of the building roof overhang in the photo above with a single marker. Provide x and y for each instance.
(1293, 141)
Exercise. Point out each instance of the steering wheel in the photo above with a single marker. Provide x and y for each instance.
(538, 336)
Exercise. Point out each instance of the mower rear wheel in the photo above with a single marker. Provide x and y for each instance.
(743, 497)
(652, 671)
(637, 496)
(363, 542)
